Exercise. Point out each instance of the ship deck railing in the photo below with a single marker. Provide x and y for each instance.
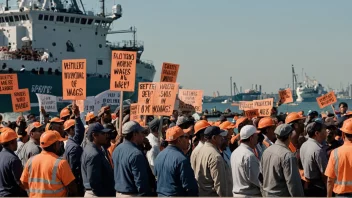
(127, 44)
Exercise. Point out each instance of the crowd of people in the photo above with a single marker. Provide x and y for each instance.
(23, 53)
(282, 155)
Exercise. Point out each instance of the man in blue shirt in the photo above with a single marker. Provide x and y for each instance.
(173, 170)
(130, 164)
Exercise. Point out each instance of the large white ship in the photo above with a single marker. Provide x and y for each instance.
(38, 35)
(309, 90)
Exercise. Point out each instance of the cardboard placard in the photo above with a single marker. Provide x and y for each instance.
(134, 111)
(263, 104)
(20, 100)
(251, 113)
(123, 70)
(264, 112)
(169, 72)
(146, 98)
(285, 96)
(48, 102)
(87, 105)
(8, 83)
(190, 100)
(74, 79)
(107, 98)
(245, 105)
(164, 98)
(327, 99)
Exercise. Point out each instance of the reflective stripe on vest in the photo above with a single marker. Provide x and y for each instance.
(337, 182)
(40, 180)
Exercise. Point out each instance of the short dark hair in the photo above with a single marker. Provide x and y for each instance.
(283, 138)
(50, 148)
(316, 126)
(343, 104)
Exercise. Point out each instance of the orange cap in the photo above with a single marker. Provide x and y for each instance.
(7, 134)
(69, 123)
(240, 120)
(173, 133)
(201, 124)
(217, 123)
(56, 120)
(50, 137)
(291, 117)
(90, 116)
(227, 125)
(32, 126)
(347, 126)
(64, 112)
(265, 122)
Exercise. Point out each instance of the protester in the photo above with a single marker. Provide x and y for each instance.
(245, 165)
(210, 170)
(172, 169)
(154, 141)
(332, 131)
(130, 164)
(199, 129)
(224, 148)
(279, 167)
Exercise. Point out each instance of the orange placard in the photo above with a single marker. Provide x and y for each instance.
(123, 70)
(74, 79)
(8, 83)
(145, 98)
(164, 98)
(20, 100)
(245, 105)
(190, 100)
(263, 104)
(285, 96)
(264, 112)
(327, 99)
(251, 113)
(169, 72)
(134, 112)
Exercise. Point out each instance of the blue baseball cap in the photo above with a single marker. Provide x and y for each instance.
(214, 130)
(96, 128)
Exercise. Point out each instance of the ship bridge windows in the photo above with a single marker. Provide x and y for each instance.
(6, 19)
(40, 17)
(16, 18)
(51, 18)
(60, 18)
(77, 20)
(97, 22)
(83, 21)
(11, 18)
(46, 17)
(72, 19)
(90, 21)
(67, 19)
(23, 17)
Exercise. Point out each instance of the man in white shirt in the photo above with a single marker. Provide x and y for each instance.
(154, 141)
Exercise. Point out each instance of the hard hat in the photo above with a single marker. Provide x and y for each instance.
(291, 117)
(227, 125)
(7, 134)
(50, 137)
(64, 112)
(347, 126)
(90, 116)
(201, 124)
(173, 133)
(240, 120)
(56, 120)
(265, 122)
(69, 123)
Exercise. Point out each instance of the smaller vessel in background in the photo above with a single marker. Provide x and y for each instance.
(309, 90)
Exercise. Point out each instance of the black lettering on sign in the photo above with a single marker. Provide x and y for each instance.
(3, 82)
(264, 112)
(122, 85)
(161, 108)
(22, 105)
(145, 109)
(74, 65)
(21, 99)
(122, 71)
(74, 92)
(74, 75)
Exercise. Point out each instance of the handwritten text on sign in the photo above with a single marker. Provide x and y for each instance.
(326, 100)
(263, 104)
(244, 105)
(285, 96)
(74, 79)
(264, 112)
(190, 100)
(123, 71)
(48, 102)
(169, 72)
(251, 113)
(134, 111)
(164, 98)
(20, 100)
(8, 83)
(146, 98)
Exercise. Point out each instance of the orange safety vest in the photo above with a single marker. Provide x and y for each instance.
(47, 175)
(340, 168)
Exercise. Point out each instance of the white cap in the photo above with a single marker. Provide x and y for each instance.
(247, 131)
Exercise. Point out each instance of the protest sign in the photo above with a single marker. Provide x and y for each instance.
(245, 105)
(327, 99)
(8, 83)
(252, 113)
(285, 96)
(49, 102)
(20, 100)
(164, 98)
(264, 112)
(134, 111)
(74, 79)
(263, 104)
(107, 98)
(145, 98)
(169, 72)
(190, 100)
(123, 70)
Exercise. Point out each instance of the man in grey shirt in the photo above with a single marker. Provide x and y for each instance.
(279, 167)
(314, 160)
(245, 165)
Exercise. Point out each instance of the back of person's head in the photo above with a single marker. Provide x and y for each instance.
(313, 127)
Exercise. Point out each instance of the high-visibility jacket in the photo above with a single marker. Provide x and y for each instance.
(47, 175)
(340, 168)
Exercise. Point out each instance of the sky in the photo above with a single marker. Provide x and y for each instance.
(254, 42)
